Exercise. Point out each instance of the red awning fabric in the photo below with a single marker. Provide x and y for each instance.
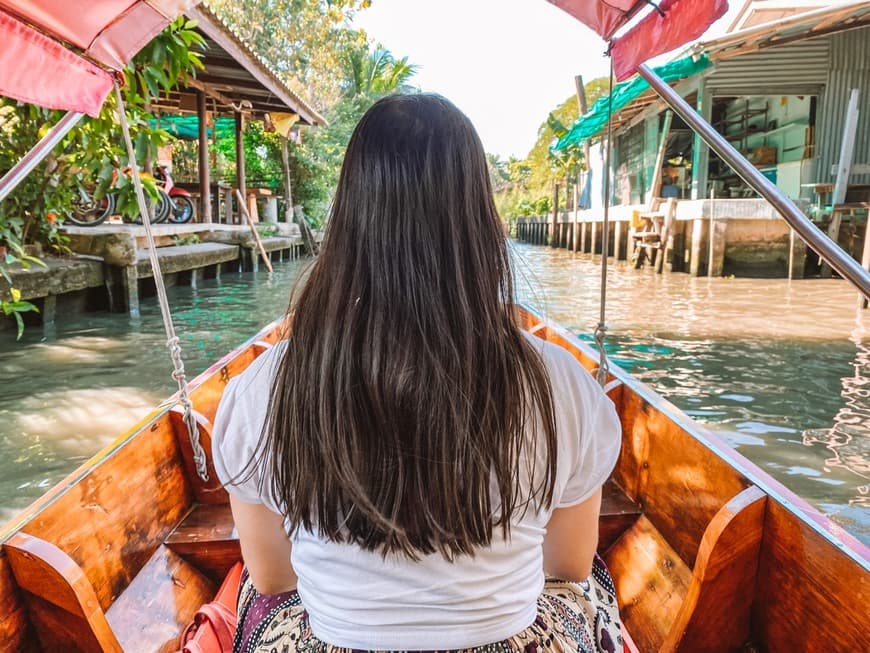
(39, 70)
(39, 67)
(602, 16)
(683, 21)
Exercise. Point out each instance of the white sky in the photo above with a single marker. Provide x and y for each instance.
(505, 63)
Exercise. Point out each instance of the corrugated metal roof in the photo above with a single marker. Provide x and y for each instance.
(800, 27)
(232, 68)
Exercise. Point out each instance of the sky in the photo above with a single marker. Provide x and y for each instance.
(505, 63)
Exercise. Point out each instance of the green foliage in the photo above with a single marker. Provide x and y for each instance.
(266, 229)
(15, 308)
(186, 239)
(302, 40)
(526, 186)
(91, 154)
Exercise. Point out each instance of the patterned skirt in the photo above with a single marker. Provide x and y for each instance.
(580, 617)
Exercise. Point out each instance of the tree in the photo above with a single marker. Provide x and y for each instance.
(531, 179)
(302, 40)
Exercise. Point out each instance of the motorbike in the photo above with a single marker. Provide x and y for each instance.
(173, 204)
(179, 207)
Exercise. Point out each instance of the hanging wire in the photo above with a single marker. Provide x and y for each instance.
(601, 329)
(172, 343)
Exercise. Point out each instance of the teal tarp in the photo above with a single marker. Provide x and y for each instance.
(593, 121)
(187, 127)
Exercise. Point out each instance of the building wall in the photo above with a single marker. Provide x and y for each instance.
(849, 68)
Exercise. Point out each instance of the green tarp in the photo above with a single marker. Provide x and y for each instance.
(593, 121)
(187, 127)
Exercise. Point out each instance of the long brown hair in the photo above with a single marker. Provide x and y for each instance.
(409, 414)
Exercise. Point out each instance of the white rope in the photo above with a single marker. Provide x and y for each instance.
(171, 339)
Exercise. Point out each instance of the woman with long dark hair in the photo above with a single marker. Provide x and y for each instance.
(406, 467)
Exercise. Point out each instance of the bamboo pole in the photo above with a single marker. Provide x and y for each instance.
(244, 211)
(285, 165)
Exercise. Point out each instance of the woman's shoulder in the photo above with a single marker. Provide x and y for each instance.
(254, 383)
(563, 367)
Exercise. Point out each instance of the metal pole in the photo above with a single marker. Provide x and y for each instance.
(845, 265)
(39, 151)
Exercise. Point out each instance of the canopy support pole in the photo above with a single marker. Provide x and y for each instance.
(601, 328)
(845, 265)
(39, 151)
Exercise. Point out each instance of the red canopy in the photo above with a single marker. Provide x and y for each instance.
(38, 66)
(603, 16)
(682, 21)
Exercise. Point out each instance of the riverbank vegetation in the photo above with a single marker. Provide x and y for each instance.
(524, 187)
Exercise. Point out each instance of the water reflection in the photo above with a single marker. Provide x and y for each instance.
(780, 370)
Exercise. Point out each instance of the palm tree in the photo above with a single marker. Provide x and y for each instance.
(372, 74)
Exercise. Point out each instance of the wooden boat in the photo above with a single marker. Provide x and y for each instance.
(707, 551)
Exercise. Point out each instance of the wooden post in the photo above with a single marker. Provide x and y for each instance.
(554, 240)
(697, 238)
(49, 309)
(240, 159)
(288, 191)
(656, 186)
(593, 229)
(665, 237)
(865, 258)
(244, 211)
(712, 232)
(843, 171)
(204, 171)
(617, 240)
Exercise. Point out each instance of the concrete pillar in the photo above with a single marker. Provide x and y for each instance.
(717, 263)
(583, 226)
(49, 309)
(130, 278)
(195, 277)
(270, 212)
(678, 255)
(217, 272)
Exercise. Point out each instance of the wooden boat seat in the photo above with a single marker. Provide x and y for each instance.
(207, 538)
(67, 613)
(668, 605)
(618, 514)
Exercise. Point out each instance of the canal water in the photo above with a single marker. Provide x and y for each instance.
(780, 370)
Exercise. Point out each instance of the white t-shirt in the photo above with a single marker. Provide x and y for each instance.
(357, 599)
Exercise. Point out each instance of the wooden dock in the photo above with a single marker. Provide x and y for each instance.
(110, 264)
(740, 237)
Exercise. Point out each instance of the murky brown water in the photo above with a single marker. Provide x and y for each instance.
(781, 370)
